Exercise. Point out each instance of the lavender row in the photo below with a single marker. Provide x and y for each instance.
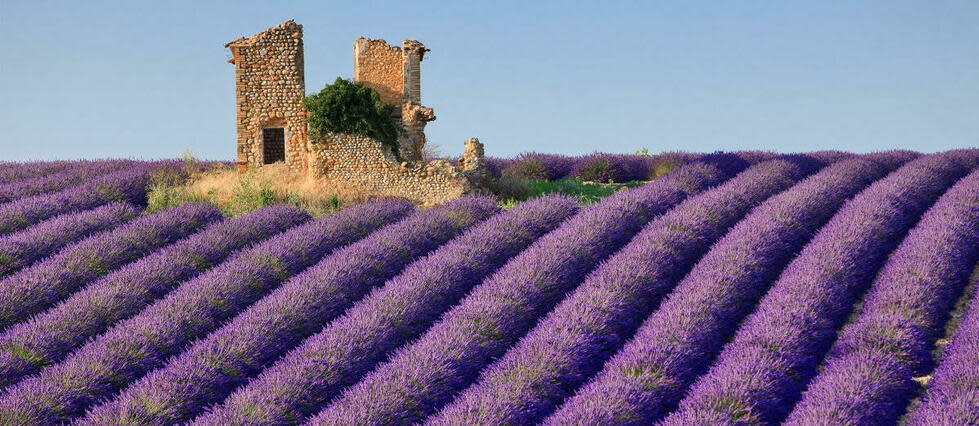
(134, 346)
(23, 248)
(641, 381)
(867, 376)
(214, 366)
(58, 181)
(575, 339)
(127, 185)
(952, 397)
(761, 373)
(421, 377)
(399, 311)
(48, 337)
(10, 172)
(40, 286)
(598, 166)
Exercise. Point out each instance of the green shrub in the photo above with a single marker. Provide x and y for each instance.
(509, 187)
(530, 168)
(350, 107)
(599, 170)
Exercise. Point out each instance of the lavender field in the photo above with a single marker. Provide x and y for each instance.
(721, 288)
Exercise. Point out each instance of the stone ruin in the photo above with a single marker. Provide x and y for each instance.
(272, 128)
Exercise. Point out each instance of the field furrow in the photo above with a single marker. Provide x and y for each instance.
(573, 342)
(761, 373)
(213, 366)
(23, 248)
(59, 180)
(127, 185)
(40, 286)
(48, 337)
(131, 348)
(423, 376)
(868, 376)
(315, 372)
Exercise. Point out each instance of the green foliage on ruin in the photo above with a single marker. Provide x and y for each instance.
(350, 107)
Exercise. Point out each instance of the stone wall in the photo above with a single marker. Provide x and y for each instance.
(269, 91)
(395, 73)
(361, 162)
(380, 66)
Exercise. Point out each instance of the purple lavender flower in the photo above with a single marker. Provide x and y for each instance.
(23, 248)
(42, 285)
(127, 185)
(953, 392)
(48, 337)
(212, 367)
(58, 181)
(867, 378)
(137, 345)
(761, 373)
(11, 172)
(390, 316)
(422, 376)
(575, 339)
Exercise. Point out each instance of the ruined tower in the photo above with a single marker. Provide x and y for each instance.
(271, 121)
(269, 91)
(395, 73)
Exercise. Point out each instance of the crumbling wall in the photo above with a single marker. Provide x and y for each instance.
(395, 73)
(380, 66)
(364, 163)
(269, 90)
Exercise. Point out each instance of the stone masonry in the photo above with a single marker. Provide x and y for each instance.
(269, 91)
(272, 121)
(362, 162)
(395, 73)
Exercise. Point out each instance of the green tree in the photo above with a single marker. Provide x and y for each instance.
(350, 107)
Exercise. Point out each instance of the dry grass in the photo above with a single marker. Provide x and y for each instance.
(238, 193)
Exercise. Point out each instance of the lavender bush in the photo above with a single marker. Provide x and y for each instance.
(127, 185)
(953, 392)
(42, 285)
(422, 376)
(48, 337)
(10, 172)
(761, 372)
(892, 159)
(590, 325)
(535, 165)
(58, 181)
(23, 248)
(390, 316)
(134, 346)
(867, 376)
(212, 367)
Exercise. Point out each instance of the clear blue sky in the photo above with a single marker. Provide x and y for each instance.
(149, 79)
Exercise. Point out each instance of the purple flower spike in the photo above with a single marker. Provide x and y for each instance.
(70, 176)
(953, 392)
(575, 339)
(211, 368)
(48, 337)
(867, 378)
(40, 286)
(133, 347)
(762, 371)
(23, 248)
(127, 185)
(424, 375)
(392, 315)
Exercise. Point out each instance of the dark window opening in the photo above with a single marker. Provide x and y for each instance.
(274, 145)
